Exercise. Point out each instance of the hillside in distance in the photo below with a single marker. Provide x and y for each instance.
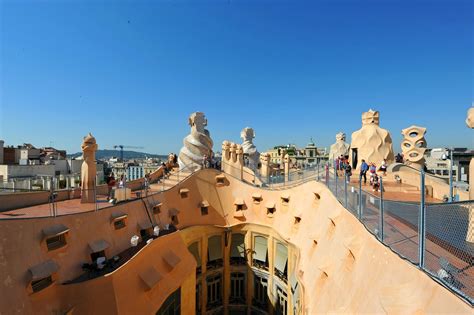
(127, 155)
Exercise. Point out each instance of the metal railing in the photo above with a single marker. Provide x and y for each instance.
(276, 180)
(436, 237)
(54, 202)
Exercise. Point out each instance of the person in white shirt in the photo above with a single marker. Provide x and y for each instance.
(383, 167)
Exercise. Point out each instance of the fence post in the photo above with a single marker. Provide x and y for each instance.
(345, 191)
(421, 222)
(360, 198)
(326, 168)
(95, 196)
(317, 170)
(381, 227)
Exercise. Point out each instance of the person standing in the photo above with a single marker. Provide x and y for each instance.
(375, 183)
(383, 167)
(364, 167)
(146, 183)
(110, 185)
(372, 169)
(122, 181)
(348, 171)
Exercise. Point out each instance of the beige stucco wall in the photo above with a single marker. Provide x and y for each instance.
(342, 268)
(26, 199)
(439, 186)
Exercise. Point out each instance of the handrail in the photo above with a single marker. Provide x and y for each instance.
(307, 174)
(448, 242)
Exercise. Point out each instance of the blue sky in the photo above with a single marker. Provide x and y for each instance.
(132, 72)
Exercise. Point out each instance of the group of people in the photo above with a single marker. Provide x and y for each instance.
(209, 161)
(111, 183)
(374, 177)
(344, 167)
(173, 158)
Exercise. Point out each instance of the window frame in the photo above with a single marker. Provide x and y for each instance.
(257, 263)
(214, 284)
(41, 284)
(59, 243)
(238, 279)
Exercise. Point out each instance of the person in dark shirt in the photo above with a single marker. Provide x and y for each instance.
(364, 167)
(348, 170)
(110, 185)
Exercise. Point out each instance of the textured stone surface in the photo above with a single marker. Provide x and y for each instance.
(247, 134)
(88, 169)
(340, 147)
(197, 144)
(470, 118)
(414, 146)
(373, 144)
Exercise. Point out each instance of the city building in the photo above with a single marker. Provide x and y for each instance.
(437, 161)
(135, 172)
(309, 155)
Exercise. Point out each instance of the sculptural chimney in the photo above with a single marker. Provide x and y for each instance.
(414, 146)
(197, 144)
(248, 134)
(88, 169)
(371, 143)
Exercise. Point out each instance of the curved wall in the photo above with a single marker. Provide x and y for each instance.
(342, 268)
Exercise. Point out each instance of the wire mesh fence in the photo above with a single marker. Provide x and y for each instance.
(57, 202)
(449, 249)
(446, 249)
(401, 230)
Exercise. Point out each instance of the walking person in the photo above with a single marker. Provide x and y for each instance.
(122, 181)
(372, 170)
(383, 167)
(364, 167)
(375, 183)
(110, 185)
(204, 161)
(146, 183)
(348, 171)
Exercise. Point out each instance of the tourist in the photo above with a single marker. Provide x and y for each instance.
(110, 185)
(375, 183)
(146, 183)
(204, 161)
(165, 169)
(122, 181)
(399, 158)
(348, 170)
(175, 159)
(383, 167)
(372, 170)
(336, 166)
(363, 171)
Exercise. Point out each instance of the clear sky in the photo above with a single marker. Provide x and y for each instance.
(132, 72)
